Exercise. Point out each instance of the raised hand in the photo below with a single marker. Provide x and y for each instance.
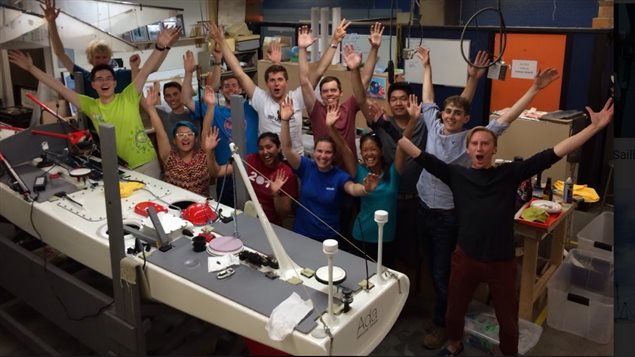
(168, 36)
(50, 12)
(545, 77)
(189, 64)
(305, 37)
(352, 59)
(371, 181)
(21, 59)
(210, 141)
(286, 108)
(604, 117)
(135, 61)
(217, 33)
(279, 179)
(481, 60)
(340, 32)
(275, 52)
(375, 110)
(151, 95)
(332, 114)
(209, 97)
(424, 55)
(414, 107)
(376, 30)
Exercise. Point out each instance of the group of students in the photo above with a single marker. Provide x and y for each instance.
(414, 165)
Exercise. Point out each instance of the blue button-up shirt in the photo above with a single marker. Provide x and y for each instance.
(450, 149)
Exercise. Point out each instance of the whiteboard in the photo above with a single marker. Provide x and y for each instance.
(360, 42)
(448, 66)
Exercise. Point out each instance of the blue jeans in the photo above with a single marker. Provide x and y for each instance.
(439, 233)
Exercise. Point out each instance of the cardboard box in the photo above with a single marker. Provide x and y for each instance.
(602, 22)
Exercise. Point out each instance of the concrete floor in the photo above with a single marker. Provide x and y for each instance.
(404, 339)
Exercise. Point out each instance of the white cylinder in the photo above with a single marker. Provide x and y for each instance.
(381, 217)
(315, 22)
(329, 247)
(324, 29)
(336, 16)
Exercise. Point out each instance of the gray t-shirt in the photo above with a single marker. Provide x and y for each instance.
(169, 118)
(411, 170)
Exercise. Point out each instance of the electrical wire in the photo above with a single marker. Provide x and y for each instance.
(311, 213)
(502, 37)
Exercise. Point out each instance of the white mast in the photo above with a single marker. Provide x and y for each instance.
(287, 267)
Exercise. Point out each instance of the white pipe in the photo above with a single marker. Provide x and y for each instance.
(336, 16)
(329, 247)
(315, 21)
(287, 265)
(324, 29)
(381, 217)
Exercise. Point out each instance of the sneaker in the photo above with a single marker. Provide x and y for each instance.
(446, 352)
(434, 338)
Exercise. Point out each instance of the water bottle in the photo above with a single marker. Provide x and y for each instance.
(567, 191)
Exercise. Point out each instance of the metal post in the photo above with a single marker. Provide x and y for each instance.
(239, 137)
(127, 304)
(82, 120)
(113, 208)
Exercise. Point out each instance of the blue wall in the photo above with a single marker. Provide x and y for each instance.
(588, 58)
(533, 13)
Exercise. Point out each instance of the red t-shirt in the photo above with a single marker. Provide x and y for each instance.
(262, 186)
(345, 125)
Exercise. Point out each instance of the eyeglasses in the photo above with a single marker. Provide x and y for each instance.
(102, 79)
(187, 134)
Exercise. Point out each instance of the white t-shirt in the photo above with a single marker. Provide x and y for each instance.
(268, 108)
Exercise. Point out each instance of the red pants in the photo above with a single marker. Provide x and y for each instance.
(465, 275)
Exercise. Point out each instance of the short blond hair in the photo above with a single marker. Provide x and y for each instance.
(476, 129)
(95, 46)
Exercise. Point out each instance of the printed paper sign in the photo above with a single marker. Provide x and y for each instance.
(524, 69)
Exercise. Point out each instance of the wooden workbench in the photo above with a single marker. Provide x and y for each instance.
(532, 285)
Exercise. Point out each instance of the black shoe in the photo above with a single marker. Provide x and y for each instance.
(446, 352)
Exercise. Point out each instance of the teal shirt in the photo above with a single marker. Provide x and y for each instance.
(383, 198)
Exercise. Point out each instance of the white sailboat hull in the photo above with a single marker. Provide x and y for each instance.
(74, 231)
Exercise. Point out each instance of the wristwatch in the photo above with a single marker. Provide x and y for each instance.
(161, 49)
(333, 45)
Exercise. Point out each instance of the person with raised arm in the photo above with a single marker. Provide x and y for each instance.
(97, 52)
(185, 164)
(384, 197)
(267, 103)
(274, 182)
(482, 193)
(331, 89)
(121, 109)
(229, 86)
(322, 184)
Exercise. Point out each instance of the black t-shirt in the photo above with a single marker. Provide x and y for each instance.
(484, 201)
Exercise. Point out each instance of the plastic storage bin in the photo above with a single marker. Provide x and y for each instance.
(481, 330)
(597, 236)
(580, 296)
